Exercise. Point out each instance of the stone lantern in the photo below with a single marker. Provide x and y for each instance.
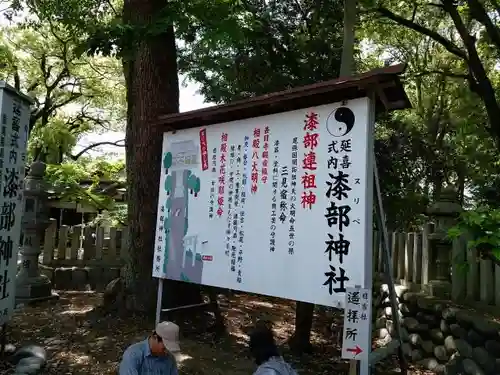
(31, 285)
(444, 213)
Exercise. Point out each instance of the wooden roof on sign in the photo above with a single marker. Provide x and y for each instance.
(383, 83)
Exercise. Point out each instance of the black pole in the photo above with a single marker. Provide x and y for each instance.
(3, 339)
(387, 259)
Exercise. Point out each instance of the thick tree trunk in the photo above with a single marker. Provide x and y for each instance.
(150, 67)
(300, 340)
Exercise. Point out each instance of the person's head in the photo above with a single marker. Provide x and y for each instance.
(262, 345)
(165, 339)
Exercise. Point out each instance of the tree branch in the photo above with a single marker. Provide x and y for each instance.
(120, 143)
(480, 14)
(70, 99)
(448, 44)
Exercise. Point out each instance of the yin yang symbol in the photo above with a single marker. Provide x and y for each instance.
(340, 122)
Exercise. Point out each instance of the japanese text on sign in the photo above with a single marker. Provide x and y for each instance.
(271, 194)
(356, 342)
(14, 115)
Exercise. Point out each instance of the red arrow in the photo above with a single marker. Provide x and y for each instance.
(355, 350)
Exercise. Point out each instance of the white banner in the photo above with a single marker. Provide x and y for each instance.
(279, 205)
(14, 122)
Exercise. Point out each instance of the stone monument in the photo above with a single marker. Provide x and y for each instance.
(31, 285)
(444, 213)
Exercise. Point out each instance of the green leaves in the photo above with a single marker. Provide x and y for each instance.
(250, 49)
(81, 181)
(482, 226)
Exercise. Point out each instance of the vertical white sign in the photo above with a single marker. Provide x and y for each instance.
(14, 122)
(357, 338)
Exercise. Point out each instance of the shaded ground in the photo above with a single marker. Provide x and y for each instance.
(77, 345)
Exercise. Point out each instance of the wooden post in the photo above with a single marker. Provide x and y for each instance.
(394, 253)
(75, 242)
(124, 244)
(88, 243)
(417, 259)
(63, 242)
(112, 251)
(401, 257)
(458, 273)
(425, 254)
(410, 241)
(99, 242)
(49, 242)
(472, 276)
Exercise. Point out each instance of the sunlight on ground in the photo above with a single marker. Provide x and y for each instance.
(80, 311)
(77, 359)
(240, 337)
(77, 345)
(261, 304)
(182, 357)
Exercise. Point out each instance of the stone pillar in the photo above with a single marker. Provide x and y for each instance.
(444, 213)
(31, 285)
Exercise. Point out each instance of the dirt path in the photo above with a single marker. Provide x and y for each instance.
(78, 346)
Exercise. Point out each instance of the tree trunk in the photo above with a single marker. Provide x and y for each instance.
(150, 68)
(300, 340)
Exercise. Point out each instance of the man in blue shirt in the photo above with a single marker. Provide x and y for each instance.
(155, 355)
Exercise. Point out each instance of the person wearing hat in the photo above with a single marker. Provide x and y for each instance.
(154, 355)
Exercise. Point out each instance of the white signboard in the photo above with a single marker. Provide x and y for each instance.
(14, 121)
(357, 338)
(279, 205)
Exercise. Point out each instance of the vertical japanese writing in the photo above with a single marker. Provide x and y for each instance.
(284, 194)
(222, 174)
(160, 246)
(244, 183)
(213, 184)
(231, 209)
(265, 156)
(352, 315)
(357, 315)
(309, 163)
(293, 196)
(204, 149)
(255, 158)
(274, 204)
(244, 178)
(337, 212)
(2, 145)
(237, 211)
(11, 184)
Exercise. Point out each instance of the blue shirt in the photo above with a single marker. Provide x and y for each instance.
(138, 360)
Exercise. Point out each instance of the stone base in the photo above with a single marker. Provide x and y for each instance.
(439, 289)
(28, 301)
(34, 292)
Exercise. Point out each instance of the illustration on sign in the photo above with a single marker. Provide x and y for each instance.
(356, 343)
(251, 204)
(14, 118)
(180, 257)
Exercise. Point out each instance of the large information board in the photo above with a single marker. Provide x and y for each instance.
(279, 205)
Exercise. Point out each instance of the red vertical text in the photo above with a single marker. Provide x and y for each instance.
(204, 149)
(254, 176)
(309, 163)
(265, 156)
